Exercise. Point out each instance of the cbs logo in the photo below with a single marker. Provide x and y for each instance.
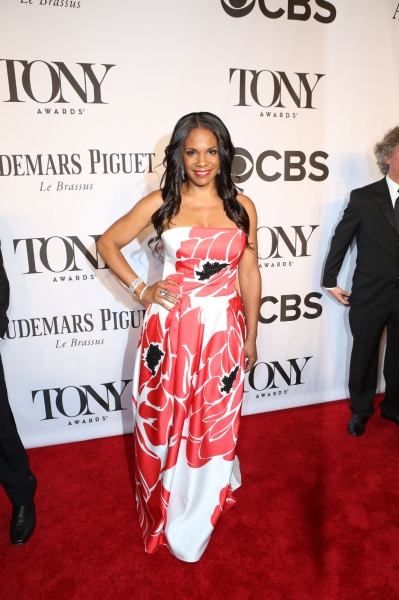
(293, 165)
(290, 308)
(297, 10)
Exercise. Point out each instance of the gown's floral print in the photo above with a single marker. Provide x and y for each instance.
(187, 393)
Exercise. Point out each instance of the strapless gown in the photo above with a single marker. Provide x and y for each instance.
(187, 394)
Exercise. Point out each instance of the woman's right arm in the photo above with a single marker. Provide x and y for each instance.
(124, 231)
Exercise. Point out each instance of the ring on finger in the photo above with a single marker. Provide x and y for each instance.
(163, 292)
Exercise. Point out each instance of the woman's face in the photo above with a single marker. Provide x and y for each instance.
(201, 157)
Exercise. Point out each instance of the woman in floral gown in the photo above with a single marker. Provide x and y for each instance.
(198, 338)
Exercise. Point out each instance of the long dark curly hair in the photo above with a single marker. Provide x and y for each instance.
(172, 180)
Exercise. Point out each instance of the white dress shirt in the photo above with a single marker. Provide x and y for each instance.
(393, 189)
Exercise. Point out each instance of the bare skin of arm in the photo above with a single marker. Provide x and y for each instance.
(124, 231)
(250, 284)
(340, 295)
(128, 227)
(200, 206)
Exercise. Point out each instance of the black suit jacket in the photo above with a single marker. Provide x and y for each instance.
(4, 297)
(369, 217)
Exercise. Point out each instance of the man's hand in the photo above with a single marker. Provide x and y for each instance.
(340, 295)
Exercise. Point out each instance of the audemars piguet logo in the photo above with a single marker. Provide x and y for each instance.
(53, 81)
(63, 327)
(296, 10)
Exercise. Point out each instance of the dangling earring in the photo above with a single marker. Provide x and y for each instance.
(183, 173)
(219, 172)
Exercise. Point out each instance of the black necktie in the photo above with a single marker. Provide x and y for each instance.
(396, 210)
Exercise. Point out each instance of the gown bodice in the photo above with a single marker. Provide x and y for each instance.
(203, 260)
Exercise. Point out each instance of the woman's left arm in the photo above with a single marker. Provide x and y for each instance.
(250, 284)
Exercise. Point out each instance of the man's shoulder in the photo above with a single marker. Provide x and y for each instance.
(371, 188)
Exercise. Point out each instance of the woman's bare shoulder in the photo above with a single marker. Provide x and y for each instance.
(146, 207)
(153, 200)
(246, 202)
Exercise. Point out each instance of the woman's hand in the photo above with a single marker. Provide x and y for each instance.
(251, 356)
(156, 293)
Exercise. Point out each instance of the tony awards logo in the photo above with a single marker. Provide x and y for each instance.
(80, 401)
(44, 82)
(58, 254)
(268, 88)
(268, 378)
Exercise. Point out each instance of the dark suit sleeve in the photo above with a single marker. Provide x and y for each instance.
(4, 297)
(344, 233)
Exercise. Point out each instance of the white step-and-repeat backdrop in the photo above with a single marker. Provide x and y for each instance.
(90, 91)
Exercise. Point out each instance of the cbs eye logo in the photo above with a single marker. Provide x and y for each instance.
(238, 8)
(243, 165)
(297, 10)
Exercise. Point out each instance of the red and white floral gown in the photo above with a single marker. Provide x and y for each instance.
(187, 393)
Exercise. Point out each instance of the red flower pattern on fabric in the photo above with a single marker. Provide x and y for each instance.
(223, 247)
(188, 389)
(215, 419)
(226, 501)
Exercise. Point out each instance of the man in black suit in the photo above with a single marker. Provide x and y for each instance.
(372, 218)
(19, 482)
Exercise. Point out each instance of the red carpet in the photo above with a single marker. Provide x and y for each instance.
(317, 518)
